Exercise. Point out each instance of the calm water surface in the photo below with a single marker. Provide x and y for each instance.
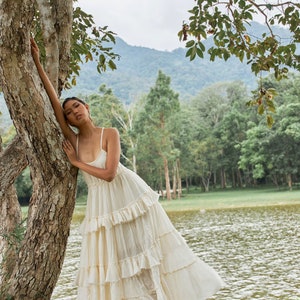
(255, 250)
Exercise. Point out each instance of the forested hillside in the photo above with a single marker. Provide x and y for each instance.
(138, 67)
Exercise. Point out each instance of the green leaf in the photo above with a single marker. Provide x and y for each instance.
(270, 121)
(272, 91)
(226, 55)
(200, 53)
(112, 65)
(288, 10)
(269, 6)
(193, 53)
(190, 44)
(201, 46)
(102, 59)
(241, 55)
(260, 109)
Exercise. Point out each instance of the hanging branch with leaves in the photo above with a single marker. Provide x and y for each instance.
(229, 24)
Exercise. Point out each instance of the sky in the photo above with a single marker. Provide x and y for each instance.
(148, 23)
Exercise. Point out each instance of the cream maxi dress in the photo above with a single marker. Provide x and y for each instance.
(131, 250)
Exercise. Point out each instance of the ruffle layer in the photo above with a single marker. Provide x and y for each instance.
(132, 211)
(195, 282)
(169, 259)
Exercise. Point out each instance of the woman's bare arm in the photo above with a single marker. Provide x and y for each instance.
(58, 110)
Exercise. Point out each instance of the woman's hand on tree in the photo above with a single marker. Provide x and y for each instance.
(70, 151)
(35, 52)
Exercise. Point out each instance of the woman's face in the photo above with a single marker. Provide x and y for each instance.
(76, 112)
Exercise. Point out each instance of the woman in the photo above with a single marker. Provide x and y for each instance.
(130, 249)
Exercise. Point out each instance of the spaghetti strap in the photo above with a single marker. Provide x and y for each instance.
(101, 138)
(77, 142)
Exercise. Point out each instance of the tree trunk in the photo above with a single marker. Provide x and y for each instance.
(178, 178)
(174, 188)
(239, 178)
(167, 179)
(223, 178)
(9, 228)
(187, 185)
(289, 181)
(10, 220)
(12, 162)
(233, 179)
(42, 250)
(206, 181)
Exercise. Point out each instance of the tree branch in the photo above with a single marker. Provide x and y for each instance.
(13, 155)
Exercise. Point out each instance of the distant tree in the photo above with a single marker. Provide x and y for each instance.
(284, 144)
(254, 153)
(205, 157)
(271, 154)
(103, 105)
(160, 104)
(108, 111)
(231, 131)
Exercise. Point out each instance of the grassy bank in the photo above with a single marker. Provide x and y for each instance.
(222, 199)
(233, 198)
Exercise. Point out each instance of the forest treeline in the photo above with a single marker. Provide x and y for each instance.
(213, 141)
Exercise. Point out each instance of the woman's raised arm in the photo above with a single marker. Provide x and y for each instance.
(58, 110)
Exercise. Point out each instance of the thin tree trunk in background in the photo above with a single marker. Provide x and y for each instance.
(233, 178)
(187, 183)
(174, 188)
(167, 179)
(289, 181)
(178, 178)
(239, 178)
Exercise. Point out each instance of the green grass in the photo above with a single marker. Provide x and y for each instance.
(232, 199)
(219, 199)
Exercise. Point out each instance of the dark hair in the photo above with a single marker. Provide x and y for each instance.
(71, 98)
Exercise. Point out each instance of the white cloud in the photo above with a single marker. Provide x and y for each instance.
(149, 23)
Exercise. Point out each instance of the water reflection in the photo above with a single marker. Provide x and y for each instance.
(255, 250)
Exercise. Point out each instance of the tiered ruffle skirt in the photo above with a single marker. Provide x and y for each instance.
(131, 250)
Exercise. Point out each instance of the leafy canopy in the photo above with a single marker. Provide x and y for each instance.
(88, 43)
(229, 24)
(226, 21)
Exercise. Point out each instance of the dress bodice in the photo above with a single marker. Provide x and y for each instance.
(99, 162)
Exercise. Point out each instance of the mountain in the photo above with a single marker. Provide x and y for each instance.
(138, 68)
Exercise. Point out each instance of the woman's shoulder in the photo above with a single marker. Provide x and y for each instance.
(110, 130)
(110, 136)
(110, 133)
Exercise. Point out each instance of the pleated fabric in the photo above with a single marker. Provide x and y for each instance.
(131, 250)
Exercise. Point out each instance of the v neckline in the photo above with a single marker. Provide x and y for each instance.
(99, 152)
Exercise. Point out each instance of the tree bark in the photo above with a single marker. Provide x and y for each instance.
(42, 250)
(178, 178)
(174, 188)
(167, 179)
(14, 157)
(289, 181)
(10, 220)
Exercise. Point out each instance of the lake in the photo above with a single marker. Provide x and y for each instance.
(255, 250)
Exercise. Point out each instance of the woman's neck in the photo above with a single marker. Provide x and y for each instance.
(87, 130)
